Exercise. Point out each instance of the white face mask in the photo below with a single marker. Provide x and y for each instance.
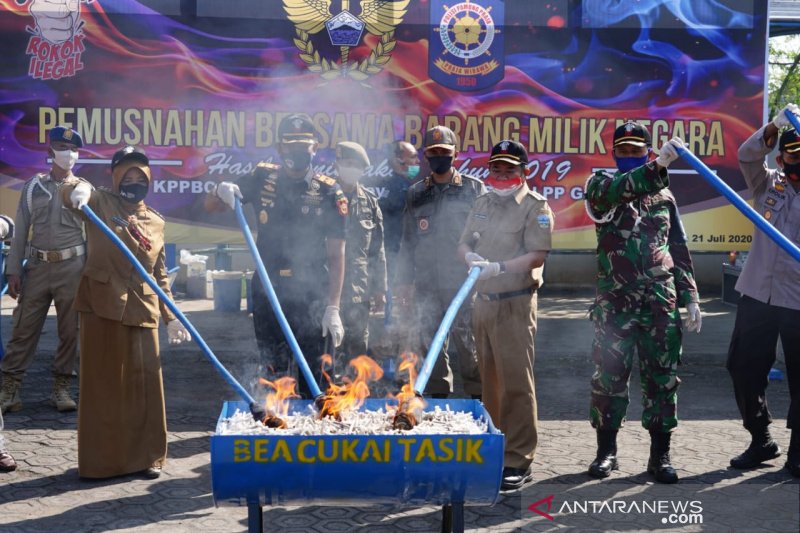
(65, 159)
(349, 175)
(506, 192)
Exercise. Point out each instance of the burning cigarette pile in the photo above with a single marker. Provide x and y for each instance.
(436, 422)
(339, 410)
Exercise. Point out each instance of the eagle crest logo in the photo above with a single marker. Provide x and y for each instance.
(345, 30)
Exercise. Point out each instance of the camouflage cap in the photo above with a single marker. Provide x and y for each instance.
(351, 150)
(632, 133)
(66, 135)
(440, 137)
(297, 128)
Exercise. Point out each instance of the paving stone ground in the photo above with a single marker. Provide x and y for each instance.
(46, 495)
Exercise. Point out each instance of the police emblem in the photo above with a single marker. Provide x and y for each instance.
(305, 209)
(263, 217)
(466, 46)
(543, 221)
(345, 30)
(767, 214)
(341, 205)
(424, 224)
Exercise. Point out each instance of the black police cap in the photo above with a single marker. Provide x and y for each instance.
(296, 128)
(129, 152)
(510, 152)
(790, 141)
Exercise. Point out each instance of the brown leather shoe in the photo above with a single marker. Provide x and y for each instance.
(7, 463)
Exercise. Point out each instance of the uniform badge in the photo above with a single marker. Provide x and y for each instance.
(305, 209)
(767, 214)
(771, 201)
(779, 187)
(318, 211)
(263, 217)
(544, 221)
(480, 215)
(423, 224)
(341, 205)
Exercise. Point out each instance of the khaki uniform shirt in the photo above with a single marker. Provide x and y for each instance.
(110, 286)
(41, 215)
(770, 275)
(502, 228)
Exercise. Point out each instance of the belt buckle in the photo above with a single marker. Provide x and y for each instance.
(53, 256)
(285, 273)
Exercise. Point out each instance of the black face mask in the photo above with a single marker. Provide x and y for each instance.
(792, 171)
(133, 192)
(440, 163)
(297, 159)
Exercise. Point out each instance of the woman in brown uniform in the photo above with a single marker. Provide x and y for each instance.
(122, 425)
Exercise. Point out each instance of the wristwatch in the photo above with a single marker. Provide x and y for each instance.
(502, 267)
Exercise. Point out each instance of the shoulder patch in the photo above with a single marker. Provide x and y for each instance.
(327, 180)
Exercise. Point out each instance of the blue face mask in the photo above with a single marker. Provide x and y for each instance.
(413, 171)
(626, 164)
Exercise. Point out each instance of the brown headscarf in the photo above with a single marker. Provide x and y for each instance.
(119, 172)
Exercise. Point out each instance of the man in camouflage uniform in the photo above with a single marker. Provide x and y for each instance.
(645, 274)
(51, 238)
(436, 211)
(301, 223)
(365, 261)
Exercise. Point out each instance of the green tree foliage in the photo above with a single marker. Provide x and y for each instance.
(784, 72)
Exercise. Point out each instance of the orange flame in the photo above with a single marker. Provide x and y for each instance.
(352, 393)
(276, 403)
(409, 404)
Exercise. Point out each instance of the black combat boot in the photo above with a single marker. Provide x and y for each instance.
(606, 459)
(762, 448)
(659, 464)
(793, 457)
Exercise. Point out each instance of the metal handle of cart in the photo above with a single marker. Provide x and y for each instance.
(737, 201)
(276, 305)
(444, 328)
(256, 409)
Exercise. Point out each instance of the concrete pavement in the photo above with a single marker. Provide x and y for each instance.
(45, 494)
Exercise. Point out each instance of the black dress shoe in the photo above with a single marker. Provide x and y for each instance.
(515, 478)
(154, 472)
(756, 454)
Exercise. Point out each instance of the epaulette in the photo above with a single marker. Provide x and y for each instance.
(537, 195)
(327, 180)
(155, 212)
(267, 165)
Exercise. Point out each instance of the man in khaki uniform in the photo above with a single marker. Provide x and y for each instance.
(51, 239)
(435, 212)
(510, 227)
(365, 260)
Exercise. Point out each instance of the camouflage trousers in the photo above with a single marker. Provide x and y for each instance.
(652, 328)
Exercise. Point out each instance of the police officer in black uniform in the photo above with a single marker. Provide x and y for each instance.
(301, 229)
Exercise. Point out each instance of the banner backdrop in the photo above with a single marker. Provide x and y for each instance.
(201, 86)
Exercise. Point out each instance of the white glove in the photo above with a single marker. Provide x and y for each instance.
(176, 333)
(80, 195)
(332, 323)
(668, 152)
(472, 257)
(227, 192)
(3, 228)
(781, 120)
(488, 269)
(694, 319)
